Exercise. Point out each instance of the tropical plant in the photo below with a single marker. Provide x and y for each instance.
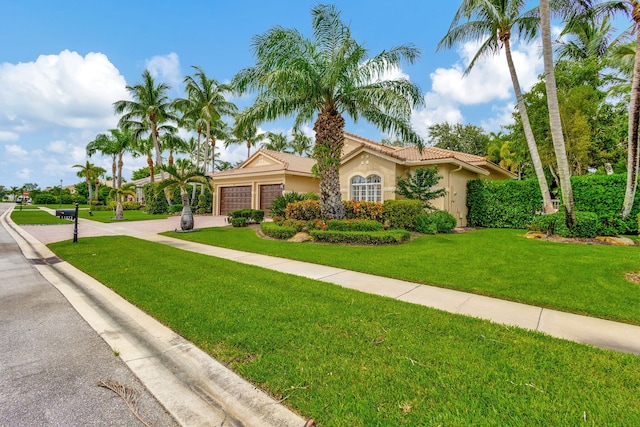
(117, 194)
(555, 123)
(301, 144)
(245, 135)
(492, 22)
(90, 173)
(277, 142)
(206, 101)
(330, 76)
(150, 111)
(419, 186)
(181, 174)
(457, 137)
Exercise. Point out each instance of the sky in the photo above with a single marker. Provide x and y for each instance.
(64, 63)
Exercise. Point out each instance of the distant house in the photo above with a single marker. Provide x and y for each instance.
(368, 171)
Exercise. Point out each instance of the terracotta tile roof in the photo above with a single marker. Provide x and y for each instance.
(412, 154)
(285, 161)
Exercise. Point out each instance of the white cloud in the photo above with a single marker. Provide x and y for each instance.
(15, 150)
(59, 90)
(24, 173)
(166, 68)
(9, 136)
(503, 116)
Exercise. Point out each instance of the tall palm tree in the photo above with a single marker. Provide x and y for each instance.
(144, 147)
(118, 193)
(175, 144)
(277, 142)
(301, 144)
(181, 174)
(149, 111)
(587, 38)
(206, 100)
(90, 173)
(328, 77)
(246, 135)
(104, 144)
(492, 23)
(555, 124)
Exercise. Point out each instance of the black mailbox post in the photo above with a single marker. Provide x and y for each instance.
(66, 213)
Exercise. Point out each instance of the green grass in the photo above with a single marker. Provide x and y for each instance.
(585, 279)
(17, 207)
(31, 216)
(64, 206)
(347, 358)
(107, 216)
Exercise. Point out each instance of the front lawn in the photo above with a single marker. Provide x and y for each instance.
(35, 217)
(107, 216)
(586, 279)
(349, 358)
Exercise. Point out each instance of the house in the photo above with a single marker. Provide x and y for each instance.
(368, 171)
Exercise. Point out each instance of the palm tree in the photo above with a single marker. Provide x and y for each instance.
(206, 101)
(246, 135)
(492, 22)
(301, 144)
(150, 111)
(175, 144)
(181, 174)
(588, 38)
(16, 191)
(144, 147)
(118, 193)
(105, 144)
(328, 77)
(277, 142)
(90, 173)
(555, 124)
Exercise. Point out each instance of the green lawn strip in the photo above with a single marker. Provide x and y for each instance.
(107, 216)
(349, 358)
(585, 279)
(25, 207)
(35, 217)
(64, 206)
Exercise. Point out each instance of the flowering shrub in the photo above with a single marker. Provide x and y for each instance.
(363, 210)
(303, 210)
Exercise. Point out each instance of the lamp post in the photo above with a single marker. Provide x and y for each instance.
(60, 193)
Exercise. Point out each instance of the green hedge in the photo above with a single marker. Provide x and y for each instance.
(587, 225)
(402, 213)
(250, 215)
(353, 225)
(388, 237)
(127, 206)
(502, 204)
(280, 203)
(239, 222)
(435, 222)
(276, 231)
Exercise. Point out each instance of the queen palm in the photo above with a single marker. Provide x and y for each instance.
(492, 22)
(277, 142)
(181, 174)
(245, 135)
(206, 101)
(149, 112)
(301, 144)
(90, 173)
(325, 79)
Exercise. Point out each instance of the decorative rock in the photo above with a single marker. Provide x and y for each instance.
(616, 240)
(301, 237)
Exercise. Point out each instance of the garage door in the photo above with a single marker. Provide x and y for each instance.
(267, 194)
(234, 198)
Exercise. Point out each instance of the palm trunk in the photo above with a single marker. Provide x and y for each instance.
(554, 116)
(90, 188)
(119, 207)
(213, 154)
(156, 145)
(152, 177)
(248, 149)
(329, 128)
(113, 172)
(633, 152)
(528, 132)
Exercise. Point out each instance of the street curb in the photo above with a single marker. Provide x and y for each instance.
(193, 387)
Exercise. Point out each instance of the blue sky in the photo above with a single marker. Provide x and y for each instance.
(63, 64)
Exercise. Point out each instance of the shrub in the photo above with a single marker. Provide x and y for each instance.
(353, 225)
(503, 204)
(586, 225)
(435, 222)
(363, 210)
(277, 231)
(639, 223)
(175, 208)
(239, 222)
(280, 203)
(305, 210)
(155, 202)
(46, 199)
(127, 206)
(545, 223)
(250, 215)
(388, 237)
(402, 213)
(202, 204)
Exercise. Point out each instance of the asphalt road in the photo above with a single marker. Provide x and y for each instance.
(51, 360)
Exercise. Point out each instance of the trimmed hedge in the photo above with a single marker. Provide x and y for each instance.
(503, 204)
(353, 225)
(280, 203)
(126, 206)
(402, 213)
(239, 222)
(276, 231)
(388, 237)
(250, 215)
(363, 210)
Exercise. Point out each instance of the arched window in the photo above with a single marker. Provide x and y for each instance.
(369, 189)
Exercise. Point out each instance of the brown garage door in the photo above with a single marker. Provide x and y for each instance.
(267, 194)
(234, 198)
